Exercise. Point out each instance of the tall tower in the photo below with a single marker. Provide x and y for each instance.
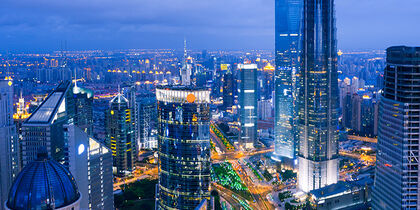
(248, 104)
(397, 160)
(186, 69)
(228, 96)
(120, 135)
(184, 146)
(318, 98)
(288, 16)
(9, 164)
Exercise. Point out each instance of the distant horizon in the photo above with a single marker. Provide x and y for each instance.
(40, 26)
(45, 51)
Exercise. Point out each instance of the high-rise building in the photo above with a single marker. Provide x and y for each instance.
(318, 98)
(288, 18)
(120, 137)
(44, 184)
(83, 109)
(397, 161)
(248, 105)
(228, 96)
(147, 122)
(91, 165)
(186, 69)
(44, 128)
(9, 163)
(184, 146)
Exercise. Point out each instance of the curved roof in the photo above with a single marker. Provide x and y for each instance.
(43, 184)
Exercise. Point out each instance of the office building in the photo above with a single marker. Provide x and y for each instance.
(44, 184)
(91, 165)
(186, 69)
(318, 98)
(44, 128)
(147, 121)
(120, 137)
(288, 16)
(248, 105)
(184, 146)
(228, 96)
(83, 112)
(343, 195)
(9, 163)
(397, 161)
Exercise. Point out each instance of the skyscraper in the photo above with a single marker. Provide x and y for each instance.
(120, 136)
(184, 146)
(248, 105)
(288, 16)
(147, 121)
(397, 160)
(83, 110)
(9, 163)
(91, 165)
(228, 96)
(44, 128)
(318, 98)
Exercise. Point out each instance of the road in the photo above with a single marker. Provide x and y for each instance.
(152, 172)
(256, 190)
(235, 155)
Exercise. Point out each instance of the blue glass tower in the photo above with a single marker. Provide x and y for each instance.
(397, 160)
(318, 98)
(287, 35)
(248, 104)
(183, 146)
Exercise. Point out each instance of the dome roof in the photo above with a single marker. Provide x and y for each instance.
(43, 184)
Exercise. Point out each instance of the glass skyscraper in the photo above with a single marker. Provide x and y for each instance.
(318, 98)
(120, 137)
(184, 146)
(248, 104)
(288, 16)
(397, 161)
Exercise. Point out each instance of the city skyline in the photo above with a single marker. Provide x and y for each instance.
(265, 109)
(45, 25)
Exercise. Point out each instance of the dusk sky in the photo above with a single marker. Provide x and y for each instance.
(208, 24)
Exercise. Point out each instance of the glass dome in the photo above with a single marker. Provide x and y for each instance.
(43, 184)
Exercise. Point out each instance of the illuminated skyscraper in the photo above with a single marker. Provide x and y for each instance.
(120, 137)
(9, 164)
(248, 104)
(184, 146)
(318, 98)
(397, 160)
(44, 128)
(91, 166)
(228, 96)
(288, 16)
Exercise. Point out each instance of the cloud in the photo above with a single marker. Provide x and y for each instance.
(215, 24)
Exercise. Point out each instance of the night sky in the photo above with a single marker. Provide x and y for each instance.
(41, 25)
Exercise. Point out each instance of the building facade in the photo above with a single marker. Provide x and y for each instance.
(120, 137)
(397, 160)
(9, 158)
(91, 165)
(147, 122)
(44, 128)
(318, 98)
(228, 97)
(248, 105)
(288, 16)
(184, 146)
